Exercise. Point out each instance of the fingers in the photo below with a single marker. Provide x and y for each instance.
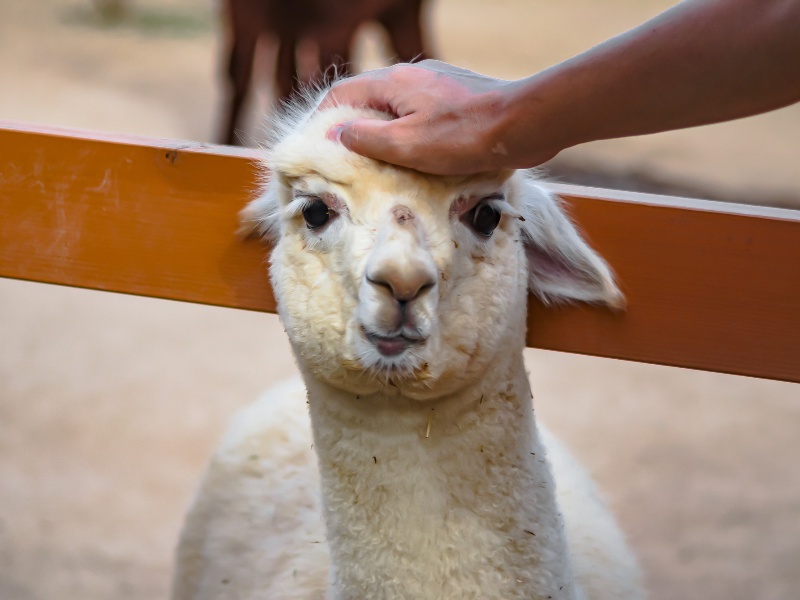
(441, 114)
(382, 140)
(383, 89)
(366, 90)
(400, 142)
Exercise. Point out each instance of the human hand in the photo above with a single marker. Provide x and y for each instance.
(697, 63)
(449, 121)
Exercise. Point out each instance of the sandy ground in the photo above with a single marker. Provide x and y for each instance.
(109, 405)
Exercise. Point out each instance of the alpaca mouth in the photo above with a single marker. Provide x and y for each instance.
(393, 345)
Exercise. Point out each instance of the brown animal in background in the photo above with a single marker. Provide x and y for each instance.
(326, 25)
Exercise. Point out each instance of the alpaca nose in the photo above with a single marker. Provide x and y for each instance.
(405, 282)
(400, 261)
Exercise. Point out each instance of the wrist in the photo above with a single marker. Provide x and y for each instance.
(535, 122)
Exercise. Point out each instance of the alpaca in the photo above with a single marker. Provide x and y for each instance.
(330, 25)
(424, 474)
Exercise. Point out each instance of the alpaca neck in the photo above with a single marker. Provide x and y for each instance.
(446, 499)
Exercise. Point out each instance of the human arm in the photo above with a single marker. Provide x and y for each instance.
(700, 62)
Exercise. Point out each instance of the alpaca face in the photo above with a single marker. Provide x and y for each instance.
(388, 279)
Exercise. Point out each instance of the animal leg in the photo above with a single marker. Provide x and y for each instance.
(403, 23)
(240, 75)
(286, 73)
(334, 52)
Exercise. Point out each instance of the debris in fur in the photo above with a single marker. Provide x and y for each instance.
(428, 430)
(375, 459)
(422, 372)
(529, 531)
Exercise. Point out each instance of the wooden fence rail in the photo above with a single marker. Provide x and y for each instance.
(710, 286)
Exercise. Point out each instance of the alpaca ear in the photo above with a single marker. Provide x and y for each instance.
(561, 265)
(261, 217)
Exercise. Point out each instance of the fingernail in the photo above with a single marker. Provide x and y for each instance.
(335, 133)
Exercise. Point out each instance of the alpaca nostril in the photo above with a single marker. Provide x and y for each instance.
(381, 284)
(404, 289)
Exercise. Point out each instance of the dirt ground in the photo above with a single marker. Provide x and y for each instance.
(109, 405)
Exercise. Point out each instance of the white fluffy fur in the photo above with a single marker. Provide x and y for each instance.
(428, 477)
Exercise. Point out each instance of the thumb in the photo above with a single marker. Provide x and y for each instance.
(373, 138)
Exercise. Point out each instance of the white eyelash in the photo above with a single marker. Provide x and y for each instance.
(503, 207)
(298, 205)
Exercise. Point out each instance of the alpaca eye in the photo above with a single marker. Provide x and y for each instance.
(316, 214)
(484, 219)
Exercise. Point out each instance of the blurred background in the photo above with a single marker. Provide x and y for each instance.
(110, 405)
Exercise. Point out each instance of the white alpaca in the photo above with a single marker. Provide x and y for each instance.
(404, 297)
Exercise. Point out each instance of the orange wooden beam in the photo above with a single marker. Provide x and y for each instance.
(133, 215)
(709, 286)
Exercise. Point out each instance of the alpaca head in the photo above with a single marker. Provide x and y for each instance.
(388, 279)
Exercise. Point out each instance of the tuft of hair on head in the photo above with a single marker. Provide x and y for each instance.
(295, 111)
